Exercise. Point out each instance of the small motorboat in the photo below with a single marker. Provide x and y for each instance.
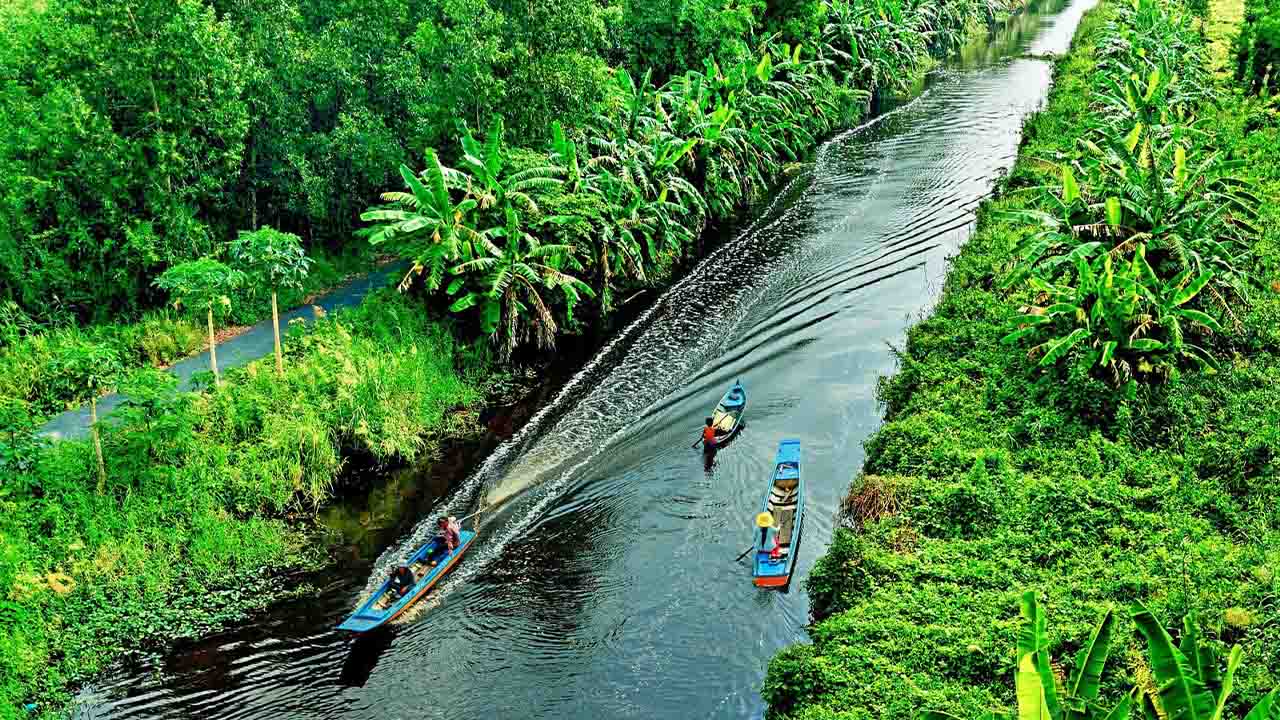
(727, 418)
(779, 521)
(385, 604)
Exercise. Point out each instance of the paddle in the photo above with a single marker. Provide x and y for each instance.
(744, 553)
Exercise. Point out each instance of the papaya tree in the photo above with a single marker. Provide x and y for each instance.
(203, 284)
(274, 260)
(95, 369)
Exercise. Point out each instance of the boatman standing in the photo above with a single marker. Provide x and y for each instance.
(709, 436)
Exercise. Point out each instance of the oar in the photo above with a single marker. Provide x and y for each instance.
(744, 553)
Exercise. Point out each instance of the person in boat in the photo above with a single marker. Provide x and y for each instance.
(401, 580)
(709, 436)
(448, 538)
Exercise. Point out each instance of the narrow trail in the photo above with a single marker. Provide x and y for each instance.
(603, 584)
(255, 342)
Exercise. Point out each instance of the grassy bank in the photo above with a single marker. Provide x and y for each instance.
(1094, 474)
(203, 492)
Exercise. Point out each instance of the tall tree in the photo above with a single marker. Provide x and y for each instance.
(274, 259)
(203, 284)
(123, 127)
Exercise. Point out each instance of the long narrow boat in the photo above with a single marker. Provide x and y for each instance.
(780, 519)
(384, 605)
(727, 418)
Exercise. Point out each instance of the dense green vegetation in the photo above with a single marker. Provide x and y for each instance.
(199, 489)
(135, 139)
(1088, 413)
(165, 134)
(138, 141)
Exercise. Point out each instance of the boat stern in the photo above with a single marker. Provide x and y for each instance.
(770, 573)
(361, 622)
(772, 580)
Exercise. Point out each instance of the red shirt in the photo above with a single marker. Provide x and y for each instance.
(708, 434)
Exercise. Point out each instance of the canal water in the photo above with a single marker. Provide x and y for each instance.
(603, 584)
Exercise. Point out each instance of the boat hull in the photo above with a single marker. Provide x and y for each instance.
(369, 616)
(728, 415)
(784, 503)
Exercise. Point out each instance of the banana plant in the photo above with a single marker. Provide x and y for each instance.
(1187, 684)
(1041, 693)
(506, 284)
(1196, 214)
(1125, 318)
(564, 156)
(488, 184)
(425, 224)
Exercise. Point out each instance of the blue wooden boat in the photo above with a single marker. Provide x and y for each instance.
(727, 418)
(780, 518)
(384, 605)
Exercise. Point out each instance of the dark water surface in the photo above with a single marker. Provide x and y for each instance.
(603, 585)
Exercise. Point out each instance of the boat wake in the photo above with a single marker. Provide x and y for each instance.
(670, 342)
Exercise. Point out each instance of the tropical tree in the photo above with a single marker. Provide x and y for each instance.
(425, 224)
(203, 284)
(275, 259)
(511, 280)
(96, 369)
(488, 184)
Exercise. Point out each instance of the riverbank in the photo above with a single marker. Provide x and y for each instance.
(992, 475)
(40, 367)
(206, 496)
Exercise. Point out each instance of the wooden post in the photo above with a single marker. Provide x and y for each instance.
(97, 444)
(213, 351)
(275, 325)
